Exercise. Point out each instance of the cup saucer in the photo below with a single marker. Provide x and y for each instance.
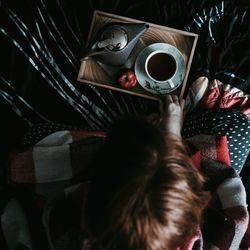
(155, 87)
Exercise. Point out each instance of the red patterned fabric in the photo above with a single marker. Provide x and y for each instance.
(220, 95)
(213, 147)
(225, 227)
(226, 218)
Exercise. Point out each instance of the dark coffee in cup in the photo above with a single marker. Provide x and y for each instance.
(161, 66)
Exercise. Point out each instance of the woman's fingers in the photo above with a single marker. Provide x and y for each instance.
(182, 103)
(175, 98)
(171, 114)
(171, 98)
(161, 107)
(167, 100)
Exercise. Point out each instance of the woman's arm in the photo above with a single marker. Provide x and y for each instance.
(170, 117)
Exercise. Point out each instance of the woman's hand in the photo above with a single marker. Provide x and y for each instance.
(170, 118)
(171, 112)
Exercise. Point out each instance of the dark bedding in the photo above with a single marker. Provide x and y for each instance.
(41, 43)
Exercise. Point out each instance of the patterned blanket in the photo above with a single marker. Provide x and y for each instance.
(63, 159)
(58, 164)
(203, 95)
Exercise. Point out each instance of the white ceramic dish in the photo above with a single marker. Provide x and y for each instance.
(158, 87)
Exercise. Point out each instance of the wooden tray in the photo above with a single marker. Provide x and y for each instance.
(90, 72)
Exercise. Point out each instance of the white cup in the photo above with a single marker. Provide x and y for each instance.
(160, 67)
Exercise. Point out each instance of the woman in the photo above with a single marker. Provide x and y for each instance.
(150, 189)
(150, 196)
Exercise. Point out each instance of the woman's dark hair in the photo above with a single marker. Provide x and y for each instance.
(146, 194)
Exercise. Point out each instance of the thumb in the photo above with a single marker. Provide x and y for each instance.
(182, 103)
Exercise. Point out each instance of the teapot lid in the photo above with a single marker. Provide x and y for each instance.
(113, 38)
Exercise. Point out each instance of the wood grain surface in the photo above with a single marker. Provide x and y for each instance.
(90, 72)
